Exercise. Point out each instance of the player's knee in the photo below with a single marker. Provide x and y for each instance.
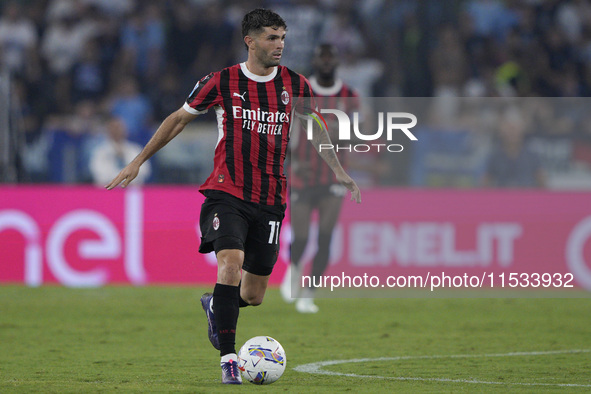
(229, 270)
(229, 265)
(231, 258)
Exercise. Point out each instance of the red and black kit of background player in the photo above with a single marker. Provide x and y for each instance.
(313, 171)
(313, 184)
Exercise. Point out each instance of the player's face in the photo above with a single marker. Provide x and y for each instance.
(325, 62)
(268, 46)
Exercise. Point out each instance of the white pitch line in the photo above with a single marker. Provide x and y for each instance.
(316, 368)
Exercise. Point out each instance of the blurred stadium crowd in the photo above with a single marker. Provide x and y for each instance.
(85, 73)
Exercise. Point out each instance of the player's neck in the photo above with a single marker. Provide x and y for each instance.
(257, 68)
(325, 82)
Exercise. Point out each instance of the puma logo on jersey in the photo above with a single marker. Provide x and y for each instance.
(240, 95)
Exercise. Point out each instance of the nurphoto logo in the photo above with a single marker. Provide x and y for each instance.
(395, 121)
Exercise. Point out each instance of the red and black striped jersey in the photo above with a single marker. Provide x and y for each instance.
(317, 172)
(253, 116)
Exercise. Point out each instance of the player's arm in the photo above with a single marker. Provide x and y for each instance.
(320, 138)
(170, 128)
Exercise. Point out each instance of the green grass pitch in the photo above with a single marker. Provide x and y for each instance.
(153, 339)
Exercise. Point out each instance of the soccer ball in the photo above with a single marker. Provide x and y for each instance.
(261, 360)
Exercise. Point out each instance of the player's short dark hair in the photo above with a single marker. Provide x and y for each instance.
(260, 18)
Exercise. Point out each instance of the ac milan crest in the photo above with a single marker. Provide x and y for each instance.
(285, 97)
(216, 222)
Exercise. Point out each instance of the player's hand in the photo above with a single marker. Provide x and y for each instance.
(126, 175)
(350, 184)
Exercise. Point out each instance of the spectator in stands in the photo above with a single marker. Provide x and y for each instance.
(305, 20)
(88, 78)
(62, 44)
(571, 17)
(18, 41)
(342, 31)
(216, 50)
(489, 17)
(181, 35)
(134, 108)
(113, 153)
(113, 8)
(414, 58)
(360, 72)
(70, 137)
(513, 163)
(448, 63)
(167, 96)
(142, 40)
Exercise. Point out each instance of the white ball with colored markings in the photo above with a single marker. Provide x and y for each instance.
(261, 360)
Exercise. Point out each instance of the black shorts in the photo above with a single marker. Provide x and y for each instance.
(228, 222)
(312, 195)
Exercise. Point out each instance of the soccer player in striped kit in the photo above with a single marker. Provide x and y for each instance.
(313, 183)
(246, 192)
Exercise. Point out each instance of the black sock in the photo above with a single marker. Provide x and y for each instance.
(225, 309)
(242, 303)
(320, 261)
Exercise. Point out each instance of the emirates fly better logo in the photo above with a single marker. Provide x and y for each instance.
(394, 121)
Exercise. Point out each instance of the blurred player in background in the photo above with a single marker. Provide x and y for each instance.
(246, 192)
(314, 186)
